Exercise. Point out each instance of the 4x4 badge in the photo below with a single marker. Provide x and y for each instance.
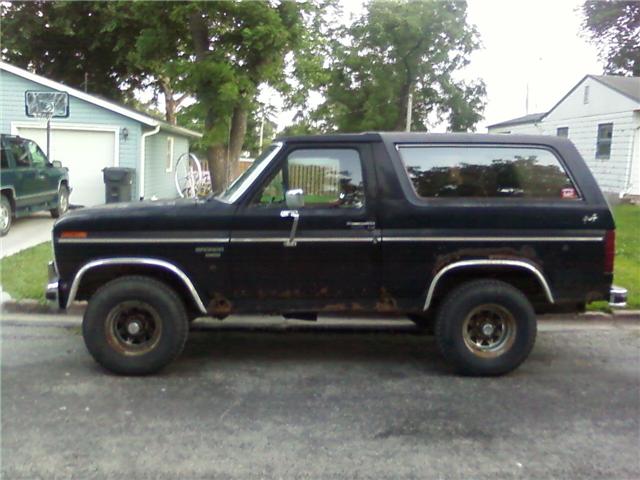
(590, 218)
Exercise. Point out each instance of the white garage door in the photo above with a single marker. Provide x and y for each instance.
(85, 153)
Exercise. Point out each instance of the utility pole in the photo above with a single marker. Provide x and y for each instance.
(526, 101)
(86, 81)
(409, 111)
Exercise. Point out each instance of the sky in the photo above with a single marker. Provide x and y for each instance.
(534, 44)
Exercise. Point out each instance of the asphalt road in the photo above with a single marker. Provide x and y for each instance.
(321, 404)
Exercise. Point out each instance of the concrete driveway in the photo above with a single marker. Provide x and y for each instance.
(26, 232)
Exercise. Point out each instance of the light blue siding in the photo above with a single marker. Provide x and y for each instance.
(159, 182)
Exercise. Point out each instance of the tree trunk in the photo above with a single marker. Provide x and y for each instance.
(216, 158)
(236, 140)
(170, 103)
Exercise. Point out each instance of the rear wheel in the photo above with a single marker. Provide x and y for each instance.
(6, 215)
(63, 202)
(135, 325)
(485, 327)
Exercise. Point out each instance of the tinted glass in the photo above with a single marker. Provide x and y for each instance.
(329, 178)
(486, 172)
(38, 158)
(4, 158)
(19, 152)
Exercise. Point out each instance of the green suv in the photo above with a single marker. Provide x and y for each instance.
(29, 182)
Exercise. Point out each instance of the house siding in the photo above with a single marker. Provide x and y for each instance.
(12, 88)
(616, 173)
(158, 182)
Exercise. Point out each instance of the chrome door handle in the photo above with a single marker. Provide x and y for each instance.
(368, 225)
(291, 241)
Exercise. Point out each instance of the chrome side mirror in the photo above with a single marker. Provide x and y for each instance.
(56, 164)
(294, 198)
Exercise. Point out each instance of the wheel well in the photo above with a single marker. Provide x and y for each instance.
(9, 194)
(96, 277)
(522, 279)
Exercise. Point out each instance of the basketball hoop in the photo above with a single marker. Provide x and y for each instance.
(46, 105)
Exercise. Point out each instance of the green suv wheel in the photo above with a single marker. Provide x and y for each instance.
(63, 202)
(6, 215)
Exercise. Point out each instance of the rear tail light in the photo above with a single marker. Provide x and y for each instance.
(609, 250)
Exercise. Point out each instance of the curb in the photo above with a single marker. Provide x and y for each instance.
(77, 309)
(34, 306)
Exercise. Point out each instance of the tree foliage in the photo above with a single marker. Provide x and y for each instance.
(396, 48)
(614, 27)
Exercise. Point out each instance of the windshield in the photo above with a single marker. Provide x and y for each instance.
(244, 181)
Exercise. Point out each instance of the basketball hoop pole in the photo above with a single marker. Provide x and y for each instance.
(48, 137)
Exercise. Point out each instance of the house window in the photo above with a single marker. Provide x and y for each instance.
(563, 132)
(169, 164)
(585, 98)
(603, 145)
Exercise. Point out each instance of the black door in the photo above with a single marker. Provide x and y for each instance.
(330, 260)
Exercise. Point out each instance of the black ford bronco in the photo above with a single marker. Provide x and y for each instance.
(470, 235)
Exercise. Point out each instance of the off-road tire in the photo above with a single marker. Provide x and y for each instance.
(5, 204)
(461, 303)
(166, 304)
(62, 207)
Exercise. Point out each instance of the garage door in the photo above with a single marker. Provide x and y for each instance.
(85, 153)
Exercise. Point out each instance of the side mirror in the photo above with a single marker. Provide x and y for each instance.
(56, 164)
(294, 198)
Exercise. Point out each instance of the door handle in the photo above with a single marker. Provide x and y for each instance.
(291, 241)
(370, 225)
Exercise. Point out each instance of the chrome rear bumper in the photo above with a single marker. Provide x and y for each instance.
(617, 297)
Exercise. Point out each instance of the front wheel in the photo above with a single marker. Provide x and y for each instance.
(135, 325)
(6, 215)
(485, 327)
(63, 202)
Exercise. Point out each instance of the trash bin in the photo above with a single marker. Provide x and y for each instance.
(118, 184)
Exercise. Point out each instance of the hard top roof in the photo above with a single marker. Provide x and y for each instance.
(423, 137)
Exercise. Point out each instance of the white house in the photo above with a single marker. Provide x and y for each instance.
(601, 115)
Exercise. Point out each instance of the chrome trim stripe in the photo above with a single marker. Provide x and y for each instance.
(300, 239)
(33, 195)
(134, 261)
(499, 263)
(142, 240)
(492, 239)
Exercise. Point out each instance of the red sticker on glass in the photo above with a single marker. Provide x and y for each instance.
(569, 193)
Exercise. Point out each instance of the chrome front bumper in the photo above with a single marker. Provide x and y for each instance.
(51, 292)
(617, 297)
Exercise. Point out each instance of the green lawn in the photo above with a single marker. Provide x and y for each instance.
(627, 264)
(24, 275)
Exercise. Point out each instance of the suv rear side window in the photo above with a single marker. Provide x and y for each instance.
(486, 172)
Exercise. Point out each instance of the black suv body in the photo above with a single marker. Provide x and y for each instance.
(469, 234)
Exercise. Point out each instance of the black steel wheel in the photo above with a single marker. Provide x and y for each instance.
(135, 325)
(485, 327)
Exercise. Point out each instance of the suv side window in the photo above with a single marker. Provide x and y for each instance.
(486, 172)
(38, 158)
(18, 149)
(4, 156)
(330, 178)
